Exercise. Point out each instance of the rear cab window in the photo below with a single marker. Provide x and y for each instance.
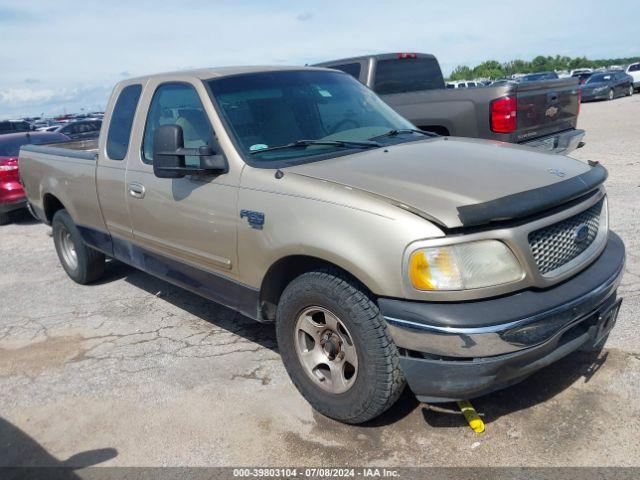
(352, 69)
(121, 121)
(402, 75)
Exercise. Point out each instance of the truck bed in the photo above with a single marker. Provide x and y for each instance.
(544, 108)
(80, 149)
(68, 168)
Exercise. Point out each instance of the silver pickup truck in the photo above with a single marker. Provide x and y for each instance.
(541, 114)
(385, 255)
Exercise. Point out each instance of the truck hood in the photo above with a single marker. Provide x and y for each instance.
(438, 176)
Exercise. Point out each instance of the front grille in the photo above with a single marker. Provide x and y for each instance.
(556, 245)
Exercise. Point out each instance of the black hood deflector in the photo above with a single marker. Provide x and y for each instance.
(530, 202)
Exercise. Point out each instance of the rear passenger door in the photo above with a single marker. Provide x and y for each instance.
(191, 219)
(115, 147)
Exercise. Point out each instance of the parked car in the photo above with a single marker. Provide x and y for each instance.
(502, 82)
(579, 71)
(634, 71)
(14, 126)
(383, 253)
(536, 77)
(50, 128)
(81, 129)
(607, 86)
(582, 77)
(463, 84)
(539, 114)
(12, 195)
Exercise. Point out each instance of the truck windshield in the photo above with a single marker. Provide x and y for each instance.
(268, 109)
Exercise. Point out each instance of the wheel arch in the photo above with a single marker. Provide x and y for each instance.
(51, 204)
(283, 271)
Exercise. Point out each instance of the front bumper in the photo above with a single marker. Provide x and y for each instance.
(561, 142)
(452, 351)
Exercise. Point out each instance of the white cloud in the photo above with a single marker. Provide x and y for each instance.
(25, 101)
(15, 96)
(69, 44)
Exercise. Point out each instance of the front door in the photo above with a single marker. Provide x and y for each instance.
(191, 220)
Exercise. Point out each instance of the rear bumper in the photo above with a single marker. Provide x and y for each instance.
(561, 142)
(463, 350)
(14, 205)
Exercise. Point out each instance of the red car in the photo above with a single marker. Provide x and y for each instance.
(12, 195)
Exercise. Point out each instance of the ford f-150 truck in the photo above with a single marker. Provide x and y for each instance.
(540, 114)
(385, 255)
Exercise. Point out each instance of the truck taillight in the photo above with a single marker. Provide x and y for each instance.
(503, 115)
(407, 55)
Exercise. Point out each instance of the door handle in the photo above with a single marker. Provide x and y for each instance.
(136, 190)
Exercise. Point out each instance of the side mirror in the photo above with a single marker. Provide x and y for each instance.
(169, 155)
(168, 140)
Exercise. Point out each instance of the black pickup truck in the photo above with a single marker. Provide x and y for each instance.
(540, 114)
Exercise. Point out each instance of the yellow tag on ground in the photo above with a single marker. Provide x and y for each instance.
(473, 419)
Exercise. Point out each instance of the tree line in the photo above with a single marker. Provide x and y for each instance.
(494, 69)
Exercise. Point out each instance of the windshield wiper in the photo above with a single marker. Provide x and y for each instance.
(335, 143)
(400, 131)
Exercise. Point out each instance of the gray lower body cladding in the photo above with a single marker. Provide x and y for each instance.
(467, 349)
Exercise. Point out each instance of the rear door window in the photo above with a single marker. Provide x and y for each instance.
(407, 75)
(121, 121)
(178, 104)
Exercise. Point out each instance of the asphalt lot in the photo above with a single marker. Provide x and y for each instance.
(132, 371)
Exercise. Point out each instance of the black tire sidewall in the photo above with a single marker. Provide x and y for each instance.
(347, 406)
(63, 220)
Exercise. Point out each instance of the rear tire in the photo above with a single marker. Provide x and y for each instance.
(83, 264)
(5, 218)
(630, 91)
(357, 372)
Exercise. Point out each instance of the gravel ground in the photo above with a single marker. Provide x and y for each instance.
(132, 371)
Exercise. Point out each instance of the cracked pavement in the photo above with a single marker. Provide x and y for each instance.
(160, 377)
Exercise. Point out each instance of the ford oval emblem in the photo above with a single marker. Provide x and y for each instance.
(581, 233)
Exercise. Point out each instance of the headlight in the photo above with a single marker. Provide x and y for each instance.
(599, 89)
(463, 266)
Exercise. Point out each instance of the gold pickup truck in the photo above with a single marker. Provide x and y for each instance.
(385, 255)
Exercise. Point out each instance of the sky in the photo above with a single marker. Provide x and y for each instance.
(66, 55)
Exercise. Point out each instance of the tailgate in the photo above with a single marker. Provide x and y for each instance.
(546, 107)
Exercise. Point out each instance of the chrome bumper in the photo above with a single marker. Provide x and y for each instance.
(554, 315)
(563, 142)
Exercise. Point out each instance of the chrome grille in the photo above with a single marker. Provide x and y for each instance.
(556, 245)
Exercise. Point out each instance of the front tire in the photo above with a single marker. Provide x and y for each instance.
(336, 348)
(611, 95)
(83, 264)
